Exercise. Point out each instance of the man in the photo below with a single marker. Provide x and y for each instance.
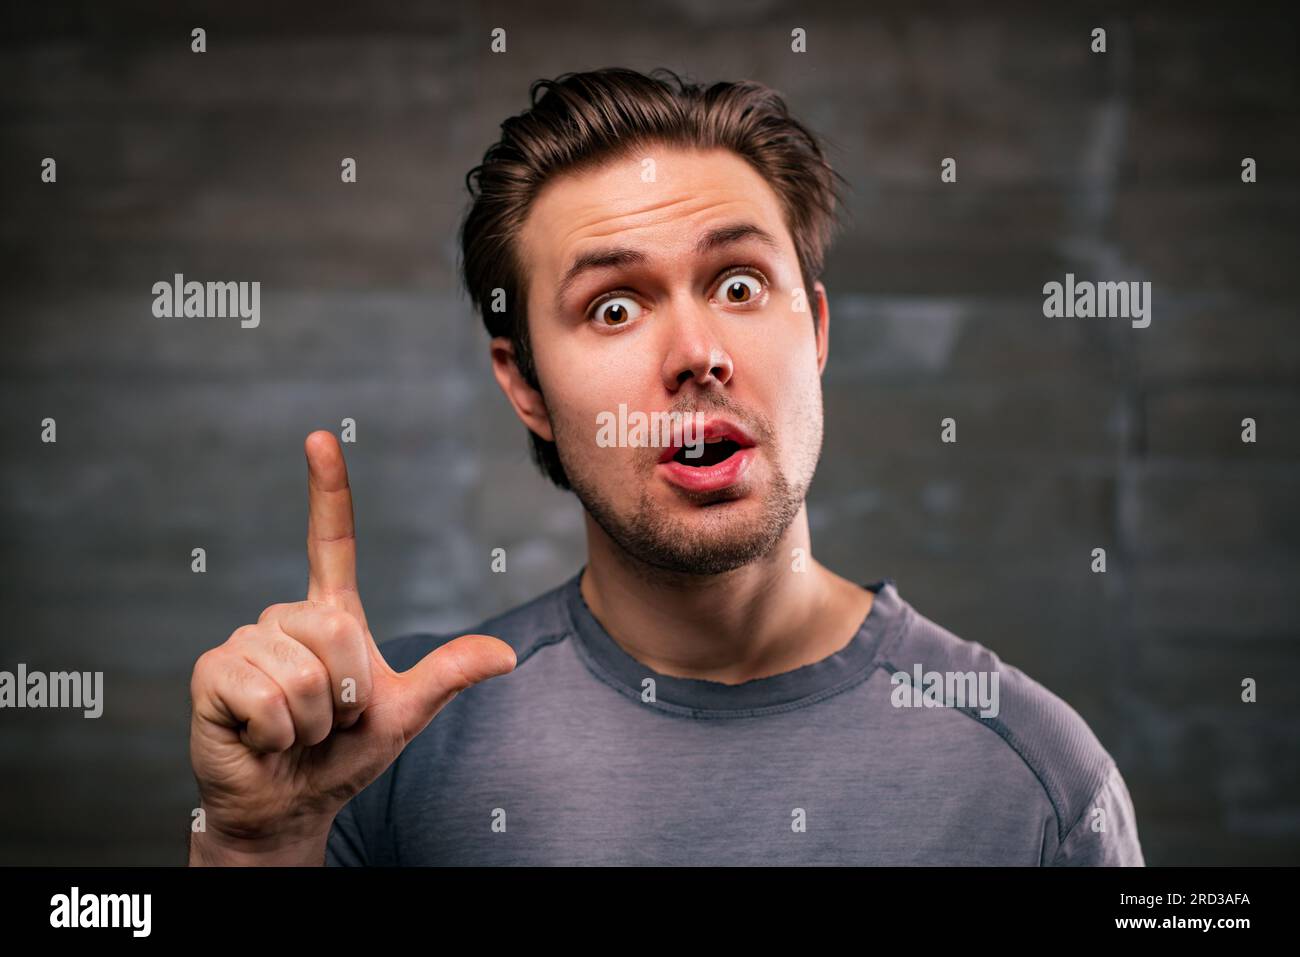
(703, 690)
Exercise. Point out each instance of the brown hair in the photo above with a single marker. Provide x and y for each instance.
(583, 119)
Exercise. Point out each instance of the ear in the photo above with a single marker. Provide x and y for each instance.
(822, 326)
(527, 401)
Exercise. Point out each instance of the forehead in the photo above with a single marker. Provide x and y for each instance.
(660, 206)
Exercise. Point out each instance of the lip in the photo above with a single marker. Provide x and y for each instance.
(711, 478)
(714, 429)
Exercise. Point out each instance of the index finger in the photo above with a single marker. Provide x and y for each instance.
(331, 536)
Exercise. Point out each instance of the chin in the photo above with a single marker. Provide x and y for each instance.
(712, 562)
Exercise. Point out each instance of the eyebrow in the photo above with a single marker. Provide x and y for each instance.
(716, 238)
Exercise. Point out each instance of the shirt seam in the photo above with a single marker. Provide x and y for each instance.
(705, 714)
(681, 711)
(1013, 742)
(1111, 768)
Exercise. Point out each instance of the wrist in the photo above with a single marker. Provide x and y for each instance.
(213, 848)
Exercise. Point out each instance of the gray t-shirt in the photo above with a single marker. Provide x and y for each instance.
(582, 755)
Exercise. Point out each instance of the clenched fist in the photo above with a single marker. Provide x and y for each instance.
(294, 715)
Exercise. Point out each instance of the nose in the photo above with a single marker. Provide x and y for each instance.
(695, 350)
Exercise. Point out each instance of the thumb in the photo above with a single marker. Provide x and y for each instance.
(448, 670)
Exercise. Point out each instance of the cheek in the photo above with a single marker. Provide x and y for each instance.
(782, 367)
(788, 389)
(578, 401)
(582, 381)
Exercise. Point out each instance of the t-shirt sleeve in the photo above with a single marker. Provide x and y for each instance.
(345, 846)
(1105, 834)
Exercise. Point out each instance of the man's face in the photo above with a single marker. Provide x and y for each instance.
(675, 327)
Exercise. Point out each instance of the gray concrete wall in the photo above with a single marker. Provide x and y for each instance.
(1073, 433)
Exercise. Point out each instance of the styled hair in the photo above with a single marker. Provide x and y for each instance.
(582, 120)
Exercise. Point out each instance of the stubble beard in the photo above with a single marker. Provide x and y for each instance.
(716, 541)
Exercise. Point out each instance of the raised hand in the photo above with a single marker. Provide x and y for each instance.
(294, 715)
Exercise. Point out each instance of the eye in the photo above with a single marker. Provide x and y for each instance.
(618, 311)
(742, 286)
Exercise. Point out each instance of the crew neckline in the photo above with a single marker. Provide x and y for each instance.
(700, 697)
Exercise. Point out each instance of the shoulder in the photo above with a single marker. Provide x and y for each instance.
(1049, 736)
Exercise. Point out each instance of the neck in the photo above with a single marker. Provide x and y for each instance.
(760, 619)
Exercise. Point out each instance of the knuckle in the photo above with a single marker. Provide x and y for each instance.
(214, 668)
(286, 651)
(456, 667)
(203, 669)
(242, 634)
(339, 628)
(311, 681)
(271, 611)
(203, 664)
(268, 699)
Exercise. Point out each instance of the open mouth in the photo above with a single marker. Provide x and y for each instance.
(715, 451)
(723, 462)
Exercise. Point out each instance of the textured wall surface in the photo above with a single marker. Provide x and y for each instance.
(1073, 433)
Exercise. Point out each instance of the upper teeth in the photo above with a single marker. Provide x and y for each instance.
(718, 439)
